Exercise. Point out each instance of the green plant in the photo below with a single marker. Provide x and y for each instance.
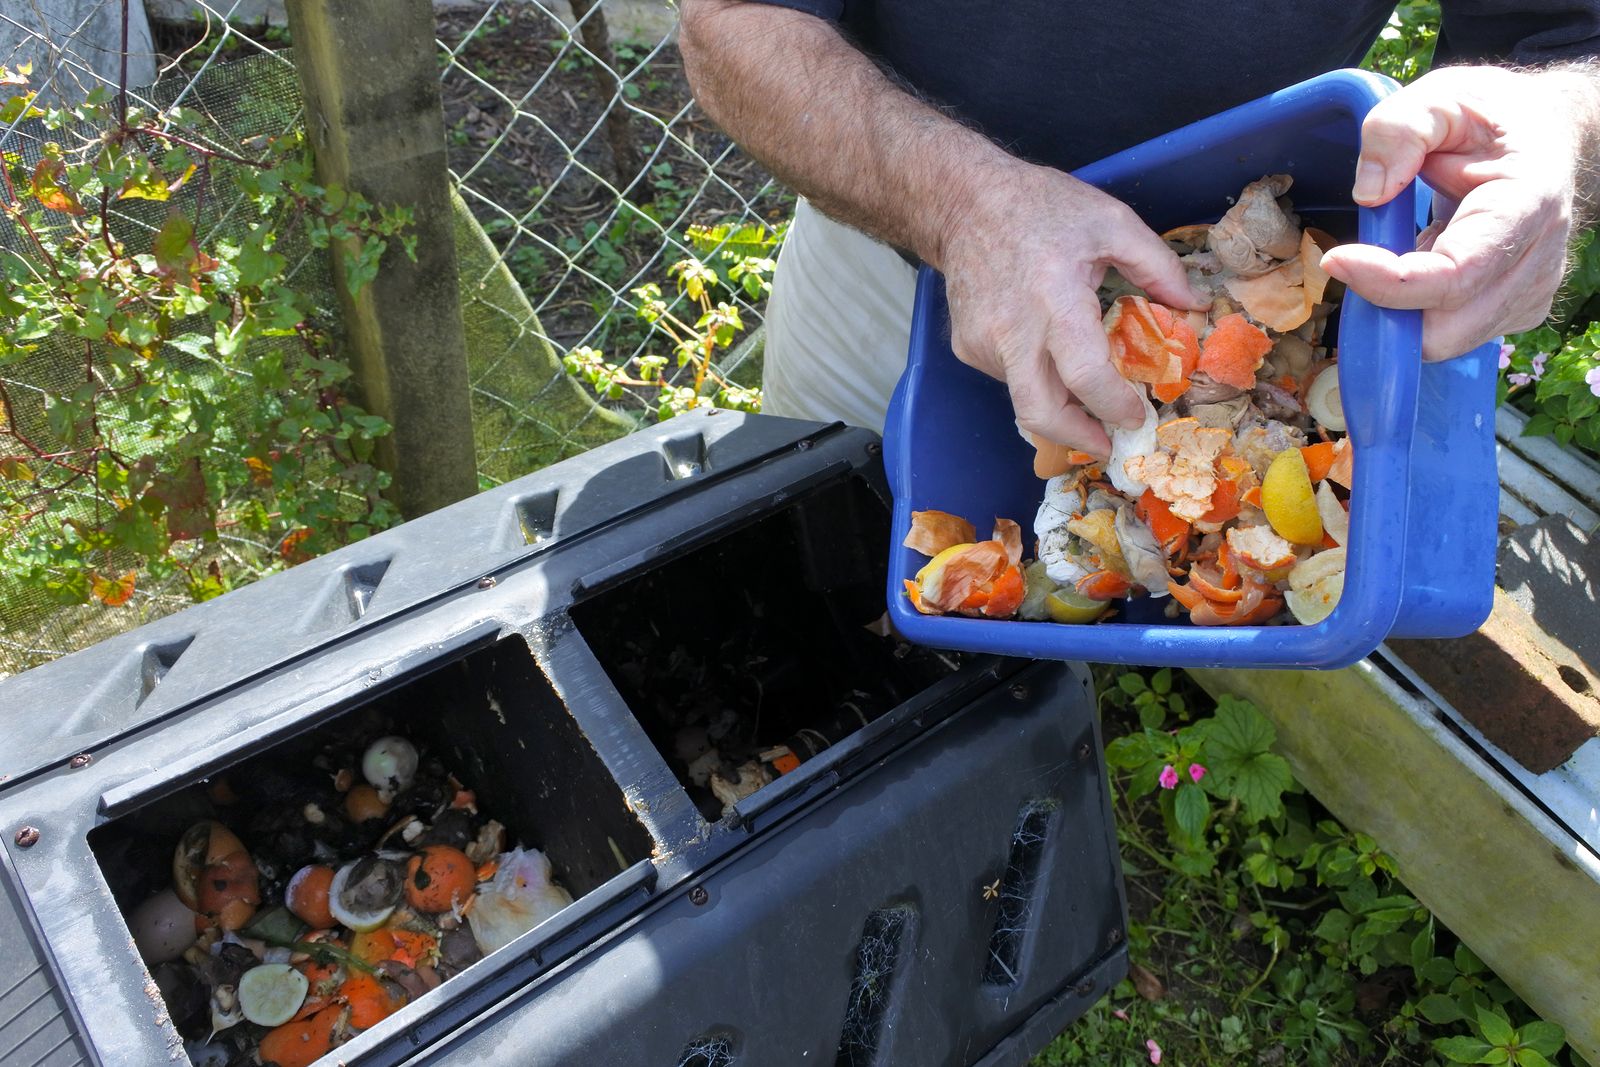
(1404, 48)
(737, 258)
(1262, 930)
(210, 397)
(1553, 373)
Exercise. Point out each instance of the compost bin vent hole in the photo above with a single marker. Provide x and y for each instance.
(346, 599)
(707, 1052)
(685, 456)
(867, 1013)
(1015, 892)
(155, 661)
(531, 519)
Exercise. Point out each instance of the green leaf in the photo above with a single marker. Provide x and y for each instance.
(1497, 1029)
(1440, 1008)
(1422, 946)
(1190, 808)
(1540, 425)
(1461, 1049)
(1438, 971)
(1528, 1057)
(1336, 925)
(1238, 747)
(1546, 1038)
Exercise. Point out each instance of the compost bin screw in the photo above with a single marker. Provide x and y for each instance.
(27, 837)
(1019, 692)
(80, 761)
(803, 446)
(1084, 988)
(1083, 751)
(698, 895)
(486, 582)
(873, 448)
(1116, 936)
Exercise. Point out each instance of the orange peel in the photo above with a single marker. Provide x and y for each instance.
(1140, 349)
(1233, 351)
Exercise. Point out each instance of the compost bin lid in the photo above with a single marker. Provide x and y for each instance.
(93, 696)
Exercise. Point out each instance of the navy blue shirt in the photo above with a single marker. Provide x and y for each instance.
(1069, 83)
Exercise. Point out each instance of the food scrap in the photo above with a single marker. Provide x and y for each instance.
(292, 924)
(1233, 495)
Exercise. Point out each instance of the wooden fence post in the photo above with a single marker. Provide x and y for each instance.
(371, 84)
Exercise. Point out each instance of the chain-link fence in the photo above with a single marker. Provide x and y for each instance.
(587, 180)
(574, 141)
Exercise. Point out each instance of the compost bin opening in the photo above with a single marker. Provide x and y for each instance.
(495, 746)
(748, 656)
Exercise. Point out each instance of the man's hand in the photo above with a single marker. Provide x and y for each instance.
(1503, 151)
(1021, 269)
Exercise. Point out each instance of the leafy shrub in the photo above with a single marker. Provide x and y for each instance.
(210, 397)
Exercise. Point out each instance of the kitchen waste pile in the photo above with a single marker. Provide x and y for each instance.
(333, 907)
(1232, 497)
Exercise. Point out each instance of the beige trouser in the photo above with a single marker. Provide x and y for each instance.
(838, 324)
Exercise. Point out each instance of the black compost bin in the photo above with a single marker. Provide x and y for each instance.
(780, 835)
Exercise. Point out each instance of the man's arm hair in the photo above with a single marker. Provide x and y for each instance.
(817, 112)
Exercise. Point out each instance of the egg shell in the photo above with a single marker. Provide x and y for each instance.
(162, 927)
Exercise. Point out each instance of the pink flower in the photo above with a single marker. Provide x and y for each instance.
(1592, 380)
(1196, 772)
(1154, 1050)
(1505, 355)
(1119, 1013)
(1519, 379)
(1168, 778)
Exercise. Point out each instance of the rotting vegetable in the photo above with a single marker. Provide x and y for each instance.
(295, 920)
(1232, 497)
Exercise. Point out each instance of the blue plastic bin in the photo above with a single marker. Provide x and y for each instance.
(1425, 501)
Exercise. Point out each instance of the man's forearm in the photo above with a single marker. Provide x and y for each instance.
(818, 113)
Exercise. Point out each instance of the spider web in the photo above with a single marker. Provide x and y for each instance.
(877, 957)
(1016, 891)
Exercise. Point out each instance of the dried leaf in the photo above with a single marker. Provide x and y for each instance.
(1145, 983)
(50, 186)
(183, 491)
(113, 592)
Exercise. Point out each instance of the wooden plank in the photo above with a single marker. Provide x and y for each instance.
(1494, 868)
(371, 85)
(1530, 484)
(1565, 465)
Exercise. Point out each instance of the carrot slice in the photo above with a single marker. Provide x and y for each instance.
(299, 1044)
(1234, 351)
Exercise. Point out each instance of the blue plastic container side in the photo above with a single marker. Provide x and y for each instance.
(951, 442)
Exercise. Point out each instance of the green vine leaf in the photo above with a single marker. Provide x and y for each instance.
(1238, 745)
